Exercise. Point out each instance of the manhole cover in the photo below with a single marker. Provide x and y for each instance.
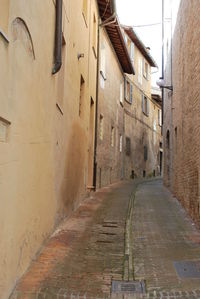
(128, 287)
(188, 269)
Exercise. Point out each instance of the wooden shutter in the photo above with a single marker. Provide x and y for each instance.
(143, 104)
(125, 88)
(132, 51)
(131, 93)
(147, 106)
(147, 71)
(143, 67)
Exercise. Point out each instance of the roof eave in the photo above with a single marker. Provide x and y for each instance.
(129, 30)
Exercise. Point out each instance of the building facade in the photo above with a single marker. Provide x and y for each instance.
(114, 60)
(181, 121)
(47, 123)
(65, 119)
(142, 114)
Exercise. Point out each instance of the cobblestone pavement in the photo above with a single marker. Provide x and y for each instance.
(86, 253)
(111, 234)
(163, 234)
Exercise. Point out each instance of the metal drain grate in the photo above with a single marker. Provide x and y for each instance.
(128, 287)
(188, 269)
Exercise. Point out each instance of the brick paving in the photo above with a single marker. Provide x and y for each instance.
(87, 251)
(163, 234)
(90, 249)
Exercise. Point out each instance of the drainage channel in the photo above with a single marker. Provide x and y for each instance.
(128, 285)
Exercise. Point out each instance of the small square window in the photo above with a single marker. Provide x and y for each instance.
(128, 91)
(145, 105)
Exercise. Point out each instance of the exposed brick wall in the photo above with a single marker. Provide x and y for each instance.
(182, 111)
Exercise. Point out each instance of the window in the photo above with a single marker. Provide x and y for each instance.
(112, 136)
(168, 140)
(145, 153)
(85, 10)
(101, 127)
(128, 91)
(159, 117)
(145, 105)
(140, 79)
(132, 50)
(120, 143)
(130, 46)
(121, 93)
(145, 69)
(82, 92)
(103, 61)
(94, 39)
(175, 134)
(128, 146)
(103, 66)
(126, 39)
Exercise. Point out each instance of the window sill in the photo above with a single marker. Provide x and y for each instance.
(130, 103)
(103, 75)
(59, 109)
(147, 115)
(2, 34)
(85, 20)
(94, 51)
(121, 103)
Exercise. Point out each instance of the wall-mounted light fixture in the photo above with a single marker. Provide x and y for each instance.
(161, 84)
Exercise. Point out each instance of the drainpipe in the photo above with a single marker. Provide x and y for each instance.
(163, 63)
(58, 38)
(96, 114)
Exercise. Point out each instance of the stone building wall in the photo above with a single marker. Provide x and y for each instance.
(110, 116)
(143, 130)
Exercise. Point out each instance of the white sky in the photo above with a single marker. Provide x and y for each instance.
(144, 12)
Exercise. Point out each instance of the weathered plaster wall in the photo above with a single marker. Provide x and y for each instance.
(43, 152)
(141, 129)
(109, 158)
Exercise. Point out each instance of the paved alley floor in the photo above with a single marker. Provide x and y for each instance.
(164, 236)
(93, 247)
(87, 251)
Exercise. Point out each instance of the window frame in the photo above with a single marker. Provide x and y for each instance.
(145, 105)
(128, 96)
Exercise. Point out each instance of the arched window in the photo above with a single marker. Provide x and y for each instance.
(22, 33)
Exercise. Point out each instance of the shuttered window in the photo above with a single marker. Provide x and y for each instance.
(145, 153)
(145, 105)
(128, 146)
(132, 48)
(128, 91)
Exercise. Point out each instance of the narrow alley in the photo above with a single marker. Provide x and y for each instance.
(99, 149)
(87, 254)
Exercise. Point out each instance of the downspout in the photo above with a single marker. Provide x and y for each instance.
(163, 63)
(58, 38)
(96, 113)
